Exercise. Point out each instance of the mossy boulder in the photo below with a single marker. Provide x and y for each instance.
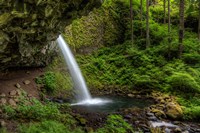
(29, 28)
(174, 111)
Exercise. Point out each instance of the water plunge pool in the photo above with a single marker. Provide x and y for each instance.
(113, 104)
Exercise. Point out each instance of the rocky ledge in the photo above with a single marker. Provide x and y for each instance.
(29, 28)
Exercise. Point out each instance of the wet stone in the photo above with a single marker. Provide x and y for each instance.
(130, 95)
(167, 130)
(198, 130)
(150, 114)
(127, 116)
(185, 132)
(177, 130)
(152, 118)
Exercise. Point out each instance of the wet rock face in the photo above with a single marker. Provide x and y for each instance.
(29, 28)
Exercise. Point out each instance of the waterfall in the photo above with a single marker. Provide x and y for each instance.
(79, 82)
(83, 95)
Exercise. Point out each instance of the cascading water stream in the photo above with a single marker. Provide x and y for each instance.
(83, 95)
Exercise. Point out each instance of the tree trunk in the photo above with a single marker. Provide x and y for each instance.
(181, 27)
(169, 30)
(164, 6)
(141, 11)
(199, 22)
(131, 20)
(147, 24)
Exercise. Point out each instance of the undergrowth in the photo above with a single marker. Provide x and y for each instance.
(115, 124)
(47, 127)
(155, 68)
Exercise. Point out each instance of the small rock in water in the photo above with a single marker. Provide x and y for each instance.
(152, 118)
(58, 100)
(130, 95)
(127, 116)
(12, 102)
(177, 130)
(13, 93)
(198, 130)
(2, 95)
(150, 114)
(18, 85)
(26, 82)
(185, 132)
(167, 130)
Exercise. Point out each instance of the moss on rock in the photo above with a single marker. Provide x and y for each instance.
(102, 26)
(30, 27)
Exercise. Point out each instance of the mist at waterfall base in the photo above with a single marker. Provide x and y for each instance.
(83, 96)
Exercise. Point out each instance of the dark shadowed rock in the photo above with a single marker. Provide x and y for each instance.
(29, 28)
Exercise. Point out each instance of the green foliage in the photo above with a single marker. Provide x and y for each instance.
(116, 124)
(32, 110)
(3, 130)
(192, 113)
(44, 127)
(47, 127)
(183, 82)
(55, 82)
(191, 107)
(101, 26)
(49, 81)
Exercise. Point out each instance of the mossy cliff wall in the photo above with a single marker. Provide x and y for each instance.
(102, 26)
(29, 28)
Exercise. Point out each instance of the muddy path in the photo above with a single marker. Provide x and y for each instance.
(9, 79)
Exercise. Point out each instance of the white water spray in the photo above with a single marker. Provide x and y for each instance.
(79, 82)
(83, 96)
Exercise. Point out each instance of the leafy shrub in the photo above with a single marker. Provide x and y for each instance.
(192, 113)
(49, 81)
(47, 127)
(191, 58)
(38, 111)
(115, 124)
(32, 110)
(183, 82)
(9, 110)
(44, 127)
(3, 130)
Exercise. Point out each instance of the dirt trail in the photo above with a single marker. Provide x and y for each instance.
(9, 79)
